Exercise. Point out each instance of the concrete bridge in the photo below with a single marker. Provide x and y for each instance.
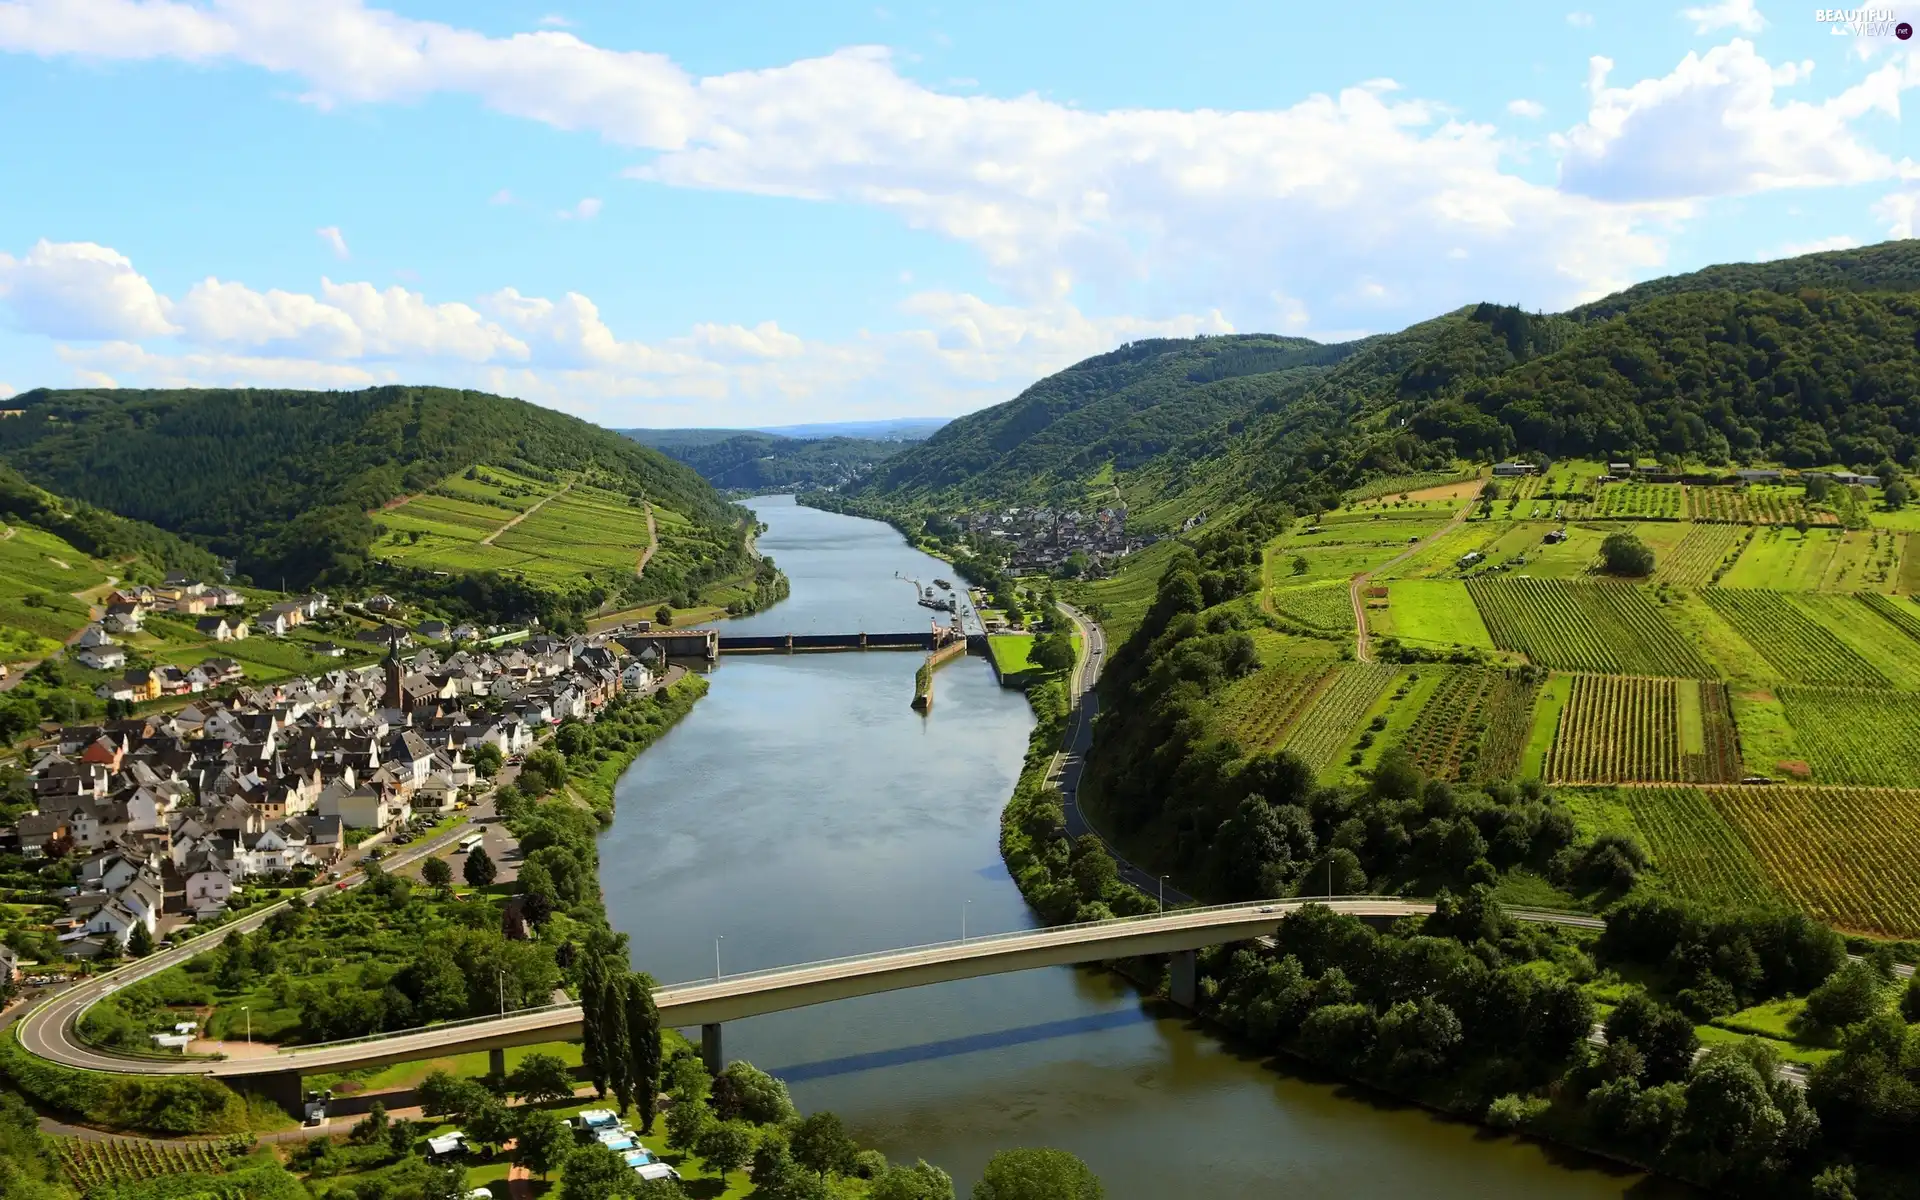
(49, 1030)
(709, 644)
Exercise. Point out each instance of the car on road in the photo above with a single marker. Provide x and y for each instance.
(341, 886)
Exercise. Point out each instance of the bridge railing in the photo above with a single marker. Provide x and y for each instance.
(441, 1027)
(1280, 907)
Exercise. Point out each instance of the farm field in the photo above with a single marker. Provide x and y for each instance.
(1324, 730)
(1121, 600)
(1387, 722)
(1699, 855)
(1473, 725)
(1608, 628)
(1635, 730)
(37, 609)
(1761, 504)
(1866, 632)
(1432, 613)
(1782, 633)
(1324, 606)
(1638, 501)
(1847, 855)
(1857, 737)
(1903, 615)
(1258, 710)
(1701, 555)
(1821, 559)
(88, 1164)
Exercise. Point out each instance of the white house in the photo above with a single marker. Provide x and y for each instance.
(101, 658)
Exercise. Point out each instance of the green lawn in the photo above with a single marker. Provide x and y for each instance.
(1767, 740)
(1546, 722)
(1434, 612)
(1011, 652)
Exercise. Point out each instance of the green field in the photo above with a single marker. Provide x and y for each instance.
(1861, 737)
(1618, 730)
(1325, 729)
(1784, 634)
(1472, 726)
(1434, 613)
(38, 574)
(1259, 710)
(1821, 559)
(1120, 602)
(1011, 652)
(1699, 855)
(1846, 855)
(1323, 606)
(1704, 554)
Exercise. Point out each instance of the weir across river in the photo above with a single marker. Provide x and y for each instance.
(709, 644)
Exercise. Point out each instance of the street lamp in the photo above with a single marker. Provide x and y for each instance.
(248, 1009)
(1163, 893)
(716, 956)
(964, 905)
(500, 975)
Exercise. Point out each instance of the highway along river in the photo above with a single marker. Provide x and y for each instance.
(804, 811)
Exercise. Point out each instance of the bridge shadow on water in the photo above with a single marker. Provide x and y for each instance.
(971, 1044)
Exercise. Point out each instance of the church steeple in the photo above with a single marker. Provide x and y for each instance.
(395, 695)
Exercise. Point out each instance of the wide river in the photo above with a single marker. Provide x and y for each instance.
(803, 811)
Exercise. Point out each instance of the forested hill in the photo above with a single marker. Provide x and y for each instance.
(764, 462)
(284, 481)
(102, 534)
(1811, 360)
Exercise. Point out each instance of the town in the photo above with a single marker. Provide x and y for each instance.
(168, 815)
(1050, 540)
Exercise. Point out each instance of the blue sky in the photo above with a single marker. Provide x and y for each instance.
(749, 214)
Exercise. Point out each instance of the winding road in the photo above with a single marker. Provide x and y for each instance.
(1357, 586)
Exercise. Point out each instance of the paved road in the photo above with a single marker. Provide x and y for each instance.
(1362, 639)
(1069, 762)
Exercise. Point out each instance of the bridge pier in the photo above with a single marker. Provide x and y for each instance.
(280, 1087)
(1183, 979)
(711, 1052)
(497, 1063)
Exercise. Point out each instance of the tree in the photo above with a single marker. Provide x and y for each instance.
(441, 1095)
(921, 1181)
(487, 759)
(663, 614)
(821, 1144)
(643, 1041)
(594, 1172)
(1032, 1174)
(490, 1122)
(541, 1077)
(1625, 554)
(1849, 996)
(1910, 1000)
(726, 1145)
(1300, 565)
(1663, 1035)
(1052, 652)
(541, 1141)
(139, 941)
(479, 871)
(1897, 494)
(744, 1092)
(438, 872)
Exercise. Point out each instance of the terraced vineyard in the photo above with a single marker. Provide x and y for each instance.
(1856, 736)
(1258, 710)
(1319, 735)
(1757, 506)
(1608, 628)
(1903, 615)
(1325, 606)
(1697, 853)
(1847, 855)
(90, 1164)
(1700, 554)
(1617, 730)
(1786, 637)
(1655, 501)
(1509, 722)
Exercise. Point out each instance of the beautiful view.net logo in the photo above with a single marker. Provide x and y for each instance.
(1864, 22)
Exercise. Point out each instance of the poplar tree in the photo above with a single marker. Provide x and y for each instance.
(643, 1033)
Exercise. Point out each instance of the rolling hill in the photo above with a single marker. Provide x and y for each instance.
(765, 462)
(293, 485)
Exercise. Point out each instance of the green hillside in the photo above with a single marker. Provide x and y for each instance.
(1804, 361)
(295, 487)
(767, 462)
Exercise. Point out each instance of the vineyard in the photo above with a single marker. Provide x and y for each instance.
(125, 1160)
(1257, 711)
(1847, 855)
(1903, 615)
(1698, 855)
(1644, 501)
(1699, 557)
(1790, 640)
(1473, 726)
(1321, 734)
(1753, 507)
(1856, 737)
(1320, 606)
(1617, 730)
(1607, 628)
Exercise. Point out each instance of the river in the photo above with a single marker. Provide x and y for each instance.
(803, 811)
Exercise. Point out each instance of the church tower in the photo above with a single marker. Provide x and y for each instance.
(395, 695)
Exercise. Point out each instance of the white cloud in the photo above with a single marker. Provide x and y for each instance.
(1532, 110)
(586, 210)
(1580, 20)
(503, 196)
(1899, 210)
(1713, 127)
(109, 364)
(1838, 241)
(330, 234)
(1727, 14)
(555, 21)
(80, 290)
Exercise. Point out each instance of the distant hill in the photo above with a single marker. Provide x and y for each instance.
(1804, 360)
(892, 429)
(289, 483)
(766, 462)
